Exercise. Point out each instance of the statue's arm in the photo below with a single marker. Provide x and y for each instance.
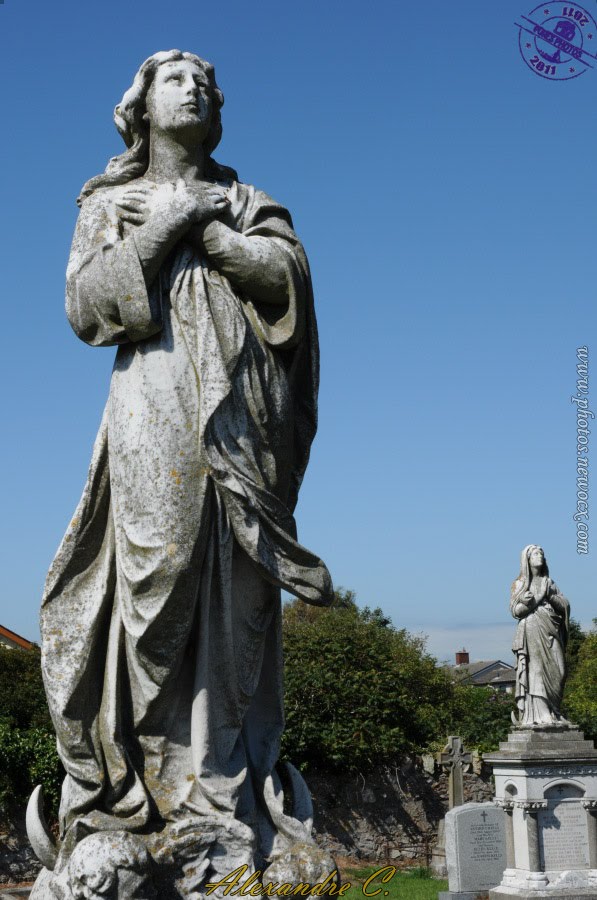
(522, 602)
(254, 264)
(110, 294)
(558, 601)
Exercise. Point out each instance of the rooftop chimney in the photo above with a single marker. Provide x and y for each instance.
(462, 658)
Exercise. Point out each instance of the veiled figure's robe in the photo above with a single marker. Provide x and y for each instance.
(161, 619)
(540, 648)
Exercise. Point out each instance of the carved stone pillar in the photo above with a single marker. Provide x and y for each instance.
(508, 807)
(591, 808)
(537, 878)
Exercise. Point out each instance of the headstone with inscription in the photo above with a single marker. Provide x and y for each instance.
(475, 850)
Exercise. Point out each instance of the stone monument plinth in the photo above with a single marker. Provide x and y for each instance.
(546, 772)
(546, 781)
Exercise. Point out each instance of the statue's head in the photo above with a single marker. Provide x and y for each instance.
(163, 85)
(533, 556)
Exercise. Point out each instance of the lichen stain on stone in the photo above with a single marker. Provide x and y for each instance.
(171, 549)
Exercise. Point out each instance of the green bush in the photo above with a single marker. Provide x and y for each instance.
(357, 690)
(22, 695)
(27, 758)
(481, 716)
(28, 753)
(580, 697)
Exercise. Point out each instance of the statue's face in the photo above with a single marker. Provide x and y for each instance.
(537, 558)
(179, 99)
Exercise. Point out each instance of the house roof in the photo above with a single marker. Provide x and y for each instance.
(486, 671)
(15, 638)
(507, 676)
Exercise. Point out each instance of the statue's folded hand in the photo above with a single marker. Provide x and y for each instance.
(208, 200)
(176, 204)
(134, 206)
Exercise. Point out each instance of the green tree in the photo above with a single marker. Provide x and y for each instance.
(22, 697)
(576, 638)
(28, 753)
(28, 757)
(481, 716)
(580, 697)
(357, 690)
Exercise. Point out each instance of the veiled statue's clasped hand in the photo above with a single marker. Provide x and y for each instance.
(540, 643)
(161, 619)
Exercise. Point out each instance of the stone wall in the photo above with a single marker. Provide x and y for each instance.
(18, 862)
(392, 814)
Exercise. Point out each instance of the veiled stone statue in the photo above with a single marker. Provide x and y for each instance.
(540, 643)
(161, 619)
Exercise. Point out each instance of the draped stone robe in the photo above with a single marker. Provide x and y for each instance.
(161, 619)
(540, 648)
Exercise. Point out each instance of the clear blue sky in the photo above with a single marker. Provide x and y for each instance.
(446, 196)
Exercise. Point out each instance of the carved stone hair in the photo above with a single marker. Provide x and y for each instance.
(134, 129)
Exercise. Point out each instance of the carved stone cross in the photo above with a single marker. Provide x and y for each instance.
(455, 758)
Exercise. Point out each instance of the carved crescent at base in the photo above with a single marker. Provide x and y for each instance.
(302, 803)
(38, 832)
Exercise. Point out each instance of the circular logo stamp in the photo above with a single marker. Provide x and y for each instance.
(558, 41)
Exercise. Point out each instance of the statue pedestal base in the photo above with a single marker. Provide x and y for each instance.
(462, 895)
(546, 781)
(570, 894)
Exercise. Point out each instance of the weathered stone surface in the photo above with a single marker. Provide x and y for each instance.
(463, 895)
(302, 863)
(543, 616)
(18, 863)
(161, 619)
(522, 894)
(546, 772)
(550, 813)
(455, 759)
(410, 802)
(475, 847)
(563, 836)
(403, 821)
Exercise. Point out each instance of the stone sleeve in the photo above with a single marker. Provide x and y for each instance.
(255, 265)
(107, 301)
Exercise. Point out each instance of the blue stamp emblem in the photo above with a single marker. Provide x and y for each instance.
(558, 41)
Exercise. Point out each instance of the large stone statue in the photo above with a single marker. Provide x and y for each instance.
(161, 620)
(540, 643)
